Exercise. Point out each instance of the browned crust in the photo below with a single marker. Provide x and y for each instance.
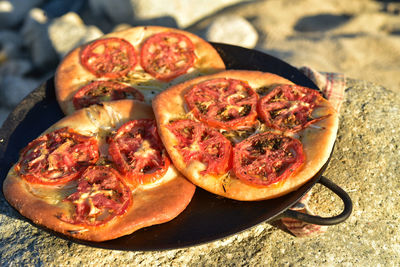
(70, 74)
(151, 205)
(317, 142)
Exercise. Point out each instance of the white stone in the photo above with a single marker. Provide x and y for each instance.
(36, 38)
(69, 31)
(12, 12)
(91, 33)
(183, 13)
(232, 29)
(14, 89)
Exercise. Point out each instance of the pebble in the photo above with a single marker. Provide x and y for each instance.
(36, 38)
(4, 112)
(69, 31)
(15, 67)
(12, 12)
(14, 89)
(11, 44)
(232, 29)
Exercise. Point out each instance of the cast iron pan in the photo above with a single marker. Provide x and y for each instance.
(208, 217)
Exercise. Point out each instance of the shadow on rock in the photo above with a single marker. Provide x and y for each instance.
(321, 22)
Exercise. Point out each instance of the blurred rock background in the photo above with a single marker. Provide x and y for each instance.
(360, 38)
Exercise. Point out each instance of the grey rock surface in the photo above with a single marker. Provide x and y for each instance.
(365, 163)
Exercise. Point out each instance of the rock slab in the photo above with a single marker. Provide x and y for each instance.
(364, 163)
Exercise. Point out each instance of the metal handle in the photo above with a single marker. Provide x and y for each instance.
(348, 206)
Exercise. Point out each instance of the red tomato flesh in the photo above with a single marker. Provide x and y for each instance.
(198, 142)
(101, 195)
(99, 91)
(267, 158)
(57, 157)
(109, 57)
(167, 55)
(289, 107)
(223, 103)
(138, 151)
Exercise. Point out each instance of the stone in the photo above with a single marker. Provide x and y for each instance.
(16, 67)
(232, 29)
(57, 8)
(174, 13)
(14, 88)
(13, 12)
(92, 33)
(36, 39)
(4, 112)
(11, 45)
(69, 31)
(364, 163)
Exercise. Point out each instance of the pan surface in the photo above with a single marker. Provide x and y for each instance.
(208, 217)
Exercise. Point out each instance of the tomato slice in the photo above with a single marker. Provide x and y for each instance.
(101, 195)
(99, 91)
(223, 103)
(267, 158)
(138, 151)
(109, 57)
(57, 157)
(289, 107)
(198, 142)
(167, 55)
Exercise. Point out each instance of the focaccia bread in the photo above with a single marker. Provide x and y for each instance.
(136, 63)
(246, 135)
(98, 174)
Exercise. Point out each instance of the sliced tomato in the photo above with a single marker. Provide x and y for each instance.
(167, 55)
(138, 151)
(57, 157)
(267, 158)
(223, 103)
(198, 142)
(289, 107)
(99, 91)
(101, 195)
(109, 57)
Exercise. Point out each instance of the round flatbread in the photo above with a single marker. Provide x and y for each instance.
(146, 58)
(262, 161)
(67, 181)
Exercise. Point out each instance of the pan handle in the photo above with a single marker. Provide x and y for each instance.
(348, 206)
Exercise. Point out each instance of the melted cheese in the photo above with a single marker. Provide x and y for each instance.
(145, 150)
(51, 194)
(225, 113)
(236, 95)
(169, 175)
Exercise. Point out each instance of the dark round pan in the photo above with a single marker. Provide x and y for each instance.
(208, 217)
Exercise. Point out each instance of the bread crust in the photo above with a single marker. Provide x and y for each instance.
(70, 75)
(151, 204)
(317, 140)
